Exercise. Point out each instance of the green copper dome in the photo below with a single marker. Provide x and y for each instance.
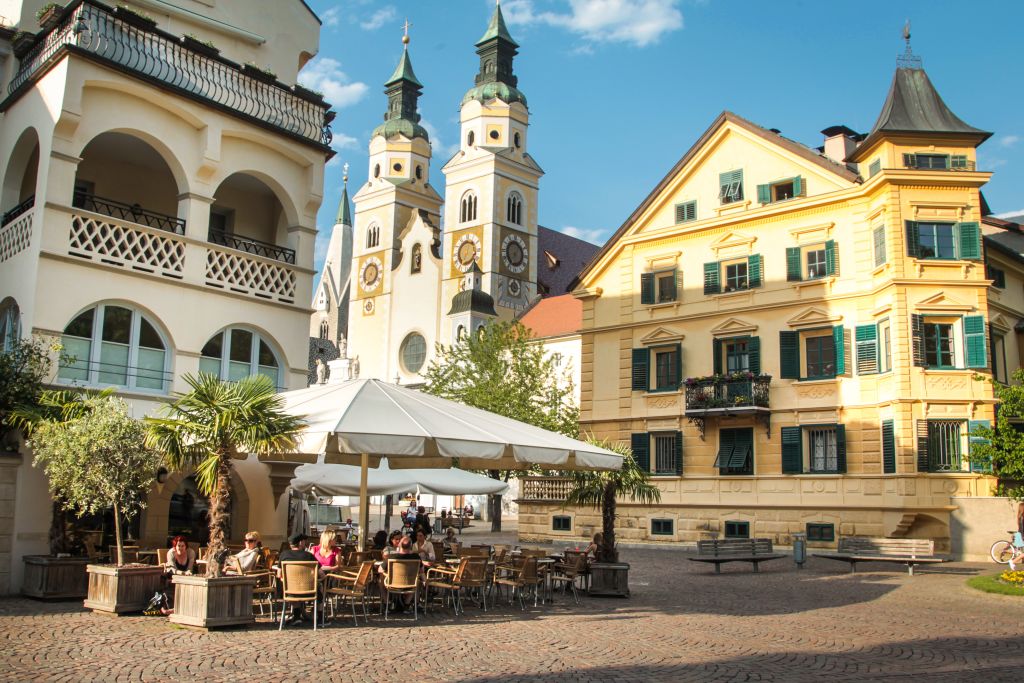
(403, 90)
(489, 91)
(401, 127)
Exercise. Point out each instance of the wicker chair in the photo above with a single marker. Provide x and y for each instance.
(446, 580)
(522, 575)
(345, 587)
(402, 578)
(567, 574)
(299, 585)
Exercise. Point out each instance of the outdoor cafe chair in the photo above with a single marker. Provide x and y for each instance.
(402, 578)
(521, 576)
(264, 591)
(476, 579)
(299, 585)
(447, 580)
(568, 573)
(347, 587)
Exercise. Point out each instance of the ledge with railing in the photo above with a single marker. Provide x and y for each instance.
(729, 394)
(544, 489)
(251, 245)
(134, 213)
(21, 208)
(124, 41)
(938, 162)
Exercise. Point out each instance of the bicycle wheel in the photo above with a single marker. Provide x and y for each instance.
(1002, 552)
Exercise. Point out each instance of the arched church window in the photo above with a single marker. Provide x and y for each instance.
(417, 258)
(236, 353)
(324, 329)
(517, 141)
(460, 333)
(372, 236)
(468, 209)
(514, 208)
(10, 327)
(114, 345)
(470, 138)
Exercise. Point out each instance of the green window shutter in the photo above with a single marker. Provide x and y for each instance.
(641, 369)
(910, 160)
(879, 245)
(974, 341)
(716, 349)
(958, 161)
(798, 186)
(754, 269)
(647, 288)
(838, 338)
(675, 284)
(866, 338)
(792, 450)
(841, 448)
(679, 454)
(793, 269)
(922, 445)
(888, 448)
(679, 365)
(917, 341)
(972, 441)
(789, 355)
(711, 285)
(831, 258)
(754, 349)
(764, 194)
(743, 448)
(913, 239)
(970, 240)
(726, 444)
(641, 444)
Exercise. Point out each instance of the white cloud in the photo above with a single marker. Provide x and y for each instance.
(639, 22)
(1009, 140)
(325, 75)
(332, 17)
(379, 18)
(592, 236)
(342, 141)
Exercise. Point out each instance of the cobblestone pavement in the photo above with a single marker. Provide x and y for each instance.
(682, 623)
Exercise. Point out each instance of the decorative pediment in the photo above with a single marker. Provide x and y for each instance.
(943, 302)
(814, 317)
(733, 327)
(1001, 323)
(733, 241)
(662, 335)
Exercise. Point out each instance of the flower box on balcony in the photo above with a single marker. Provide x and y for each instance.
(22, 43)
(200, 46)
(48, 15)
(307, 94)
(259, 73)
(133, 18)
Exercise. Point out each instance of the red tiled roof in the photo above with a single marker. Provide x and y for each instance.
(554, 316)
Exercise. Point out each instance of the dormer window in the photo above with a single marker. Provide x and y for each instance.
(731, 187)
(781, 190)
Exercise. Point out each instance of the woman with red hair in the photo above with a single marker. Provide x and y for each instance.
(180, 558)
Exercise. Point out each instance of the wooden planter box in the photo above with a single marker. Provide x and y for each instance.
(204, 602)
(52, 577)
(609, 579)
(122, 589)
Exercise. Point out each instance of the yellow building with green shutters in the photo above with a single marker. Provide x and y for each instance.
(798, 340)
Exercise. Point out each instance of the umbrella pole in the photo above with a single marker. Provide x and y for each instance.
(364, 502)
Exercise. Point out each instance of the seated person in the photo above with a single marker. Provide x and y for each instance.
(380, 540)
(595, 545)
(296, 552)
(328, 554)
(405, 551)
(450, 537)
(393, 540)
(247, 557)
(180, 558)
(423, 547)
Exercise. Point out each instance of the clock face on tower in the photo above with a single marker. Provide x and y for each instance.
(514, 253)
(370, 276)
(467, 248)
(512, 293)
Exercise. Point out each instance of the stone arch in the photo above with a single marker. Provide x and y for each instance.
(154, 518)
(22, 170)
(254, 205)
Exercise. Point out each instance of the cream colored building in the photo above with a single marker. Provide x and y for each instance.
(797, 340)
(159, 204)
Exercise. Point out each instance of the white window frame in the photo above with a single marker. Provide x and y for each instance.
(254, 354)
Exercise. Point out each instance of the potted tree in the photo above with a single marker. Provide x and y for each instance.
(202, 431)
(600, 490)
(96, 459)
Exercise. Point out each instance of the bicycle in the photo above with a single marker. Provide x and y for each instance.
(1004, 551)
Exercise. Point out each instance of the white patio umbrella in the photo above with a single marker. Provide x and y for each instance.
(361, 421)
(344, 480)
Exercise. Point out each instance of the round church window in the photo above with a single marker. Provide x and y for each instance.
(413, 352)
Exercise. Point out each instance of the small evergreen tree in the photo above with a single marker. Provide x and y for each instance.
(1002, 447)
(501, 369)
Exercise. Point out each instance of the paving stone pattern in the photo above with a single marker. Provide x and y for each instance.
(683, 623)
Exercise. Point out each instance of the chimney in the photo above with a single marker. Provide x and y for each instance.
(840, 142)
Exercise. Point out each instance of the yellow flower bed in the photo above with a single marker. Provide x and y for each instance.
(1014, 578)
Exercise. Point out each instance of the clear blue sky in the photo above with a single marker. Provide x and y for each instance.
(619, 89)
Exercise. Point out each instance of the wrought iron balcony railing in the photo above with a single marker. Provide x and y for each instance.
(131, 44)
(252, 246)
(938, 162)
(544, 488)
(18, 210)
(737, 392)
(129, 212)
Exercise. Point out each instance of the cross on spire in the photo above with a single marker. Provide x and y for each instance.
(405, 33)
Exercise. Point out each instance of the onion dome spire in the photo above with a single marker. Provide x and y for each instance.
(403, 90)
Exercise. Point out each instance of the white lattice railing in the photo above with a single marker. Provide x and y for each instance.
(256, 277)
(15, 236)
(126, 245)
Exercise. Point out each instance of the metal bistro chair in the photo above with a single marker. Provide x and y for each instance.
(402, 578)
(568, 573)
(350, 588)
(265, 589)
(299, 585)
(522, 575)
(446, 581)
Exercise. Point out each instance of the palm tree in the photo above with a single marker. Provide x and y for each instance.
(205, 427)
(600, 489)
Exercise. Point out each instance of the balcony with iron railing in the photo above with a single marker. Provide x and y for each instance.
(251, 245)
(938, 162)
(544, 489)
(133, 45)
(129, 212)
(737, 393)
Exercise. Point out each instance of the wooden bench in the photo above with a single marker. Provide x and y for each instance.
(753, 550)
(908, 551)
